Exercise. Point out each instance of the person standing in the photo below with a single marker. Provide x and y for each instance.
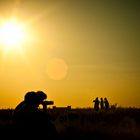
(96, 104)
(106, 103)
(101, 103)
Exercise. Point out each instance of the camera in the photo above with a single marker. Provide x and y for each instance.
(48, 102)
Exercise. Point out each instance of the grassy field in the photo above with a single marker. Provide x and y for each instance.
(114, 124)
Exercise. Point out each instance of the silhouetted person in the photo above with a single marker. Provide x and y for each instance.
(101, 103)
(96, 104)
(106, 103)
(29, 121)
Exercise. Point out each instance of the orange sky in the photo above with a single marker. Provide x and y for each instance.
(74, 51)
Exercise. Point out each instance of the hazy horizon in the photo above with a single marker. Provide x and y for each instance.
(74, 51)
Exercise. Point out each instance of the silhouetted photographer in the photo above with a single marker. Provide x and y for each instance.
(31, 122)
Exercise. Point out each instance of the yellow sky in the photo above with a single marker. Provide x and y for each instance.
(74, 51)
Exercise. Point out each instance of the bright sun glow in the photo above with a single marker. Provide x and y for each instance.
(12, 35)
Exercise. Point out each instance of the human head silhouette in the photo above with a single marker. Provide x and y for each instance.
(41, 96)
(105, 99)
(31, 97)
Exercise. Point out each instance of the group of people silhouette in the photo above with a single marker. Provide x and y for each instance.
(29, 121)
(101, 104)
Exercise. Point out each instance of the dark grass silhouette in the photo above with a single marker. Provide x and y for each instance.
(114, 124)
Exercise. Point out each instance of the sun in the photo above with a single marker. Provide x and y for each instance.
(12, 34)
